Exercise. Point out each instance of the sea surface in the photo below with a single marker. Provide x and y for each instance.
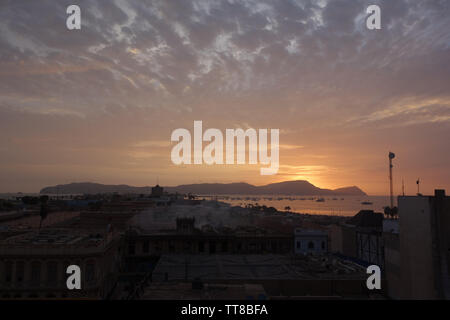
(327, 205)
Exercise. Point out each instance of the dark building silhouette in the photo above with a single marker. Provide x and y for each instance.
(157, 191)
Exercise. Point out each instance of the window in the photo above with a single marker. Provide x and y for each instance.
(35, 273)
(201, 246)
(8, 271)
(145, 246)
(323, 245)
(52, 273)
(274, 245)
(157, 246)
(90, 272)
(20, 271)
(131, 248)
(299, 244)
(311, 245)
(212, 247)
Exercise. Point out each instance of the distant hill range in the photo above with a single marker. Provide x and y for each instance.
(298, 187)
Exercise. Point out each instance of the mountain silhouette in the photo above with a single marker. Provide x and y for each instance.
(298, 187)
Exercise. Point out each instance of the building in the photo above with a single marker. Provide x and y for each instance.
(275, 276)
(360, 238)
(34, 264)
(369, 244)
(157, 191)
(208, 240)
(343, 239)
(185, 225)
(157, 243)
(418, 259)
(310, 241)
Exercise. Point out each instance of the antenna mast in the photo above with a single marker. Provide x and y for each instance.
(391, 156)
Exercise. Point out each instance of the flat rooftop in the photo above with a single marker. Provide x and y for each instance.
(309, 232)
(56, 237)
(253, 267)
(184, 291)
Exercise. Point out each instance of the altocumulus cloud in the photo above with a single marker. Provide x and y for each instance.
(172, 61)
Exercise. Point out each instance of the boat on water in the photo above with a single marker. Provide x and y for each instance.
(320, 200)
(366, 203)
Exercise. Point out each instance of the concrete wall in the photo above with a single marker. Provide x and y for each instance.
(335, 236)
(417, 257)
(343, 240)
(416, 248)
(440, 225)
(349, 244)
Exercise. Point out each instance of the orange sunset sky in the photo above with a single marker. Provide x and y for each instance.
(99, 104)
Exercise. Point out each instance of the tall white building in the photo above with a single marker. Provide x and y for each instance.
(418, 258)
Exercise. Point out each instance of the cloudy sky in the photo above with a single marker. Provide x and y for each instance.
(99, 104)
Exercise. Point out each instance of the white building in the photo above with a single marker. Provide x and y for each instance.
(310, 241)
(418, 255)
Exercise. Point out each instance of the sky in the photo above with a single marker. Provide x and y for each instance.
(99, 104)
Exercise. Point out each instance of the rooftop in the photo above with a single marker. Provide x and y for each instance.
(309, 232)
(251, 267)
(217, 291)
(367, 219)
(55, 236)
(55, 241)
